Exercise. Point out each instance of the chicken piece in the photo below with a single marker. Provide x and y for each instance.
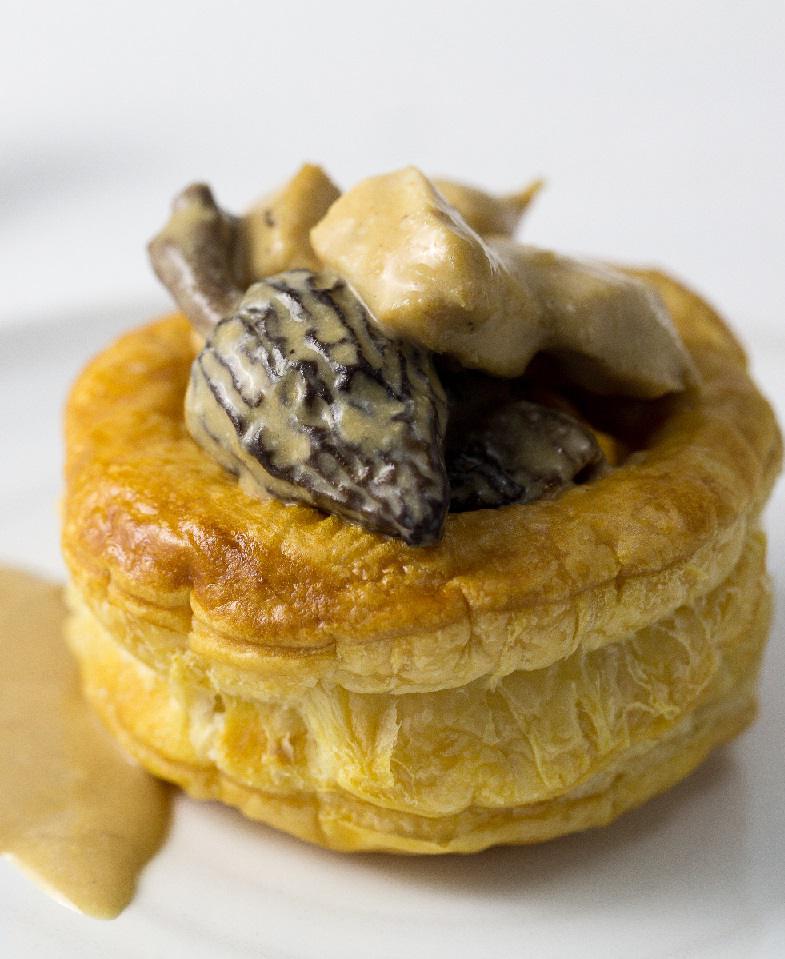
(277, 226)
(426, 275)
(486, 213)
(610, 332)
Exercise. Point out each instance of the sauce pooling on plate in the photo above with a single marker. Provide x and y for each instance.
(74, 812)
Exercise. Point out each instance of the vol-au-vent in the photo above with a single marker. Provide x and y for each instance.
(403, 535)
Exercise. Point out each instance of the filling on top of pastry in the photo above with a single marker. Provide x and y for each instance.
(389, 354)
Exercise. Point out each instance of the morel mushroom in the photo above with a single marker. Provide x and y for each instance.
(301, 394)
(518, 453)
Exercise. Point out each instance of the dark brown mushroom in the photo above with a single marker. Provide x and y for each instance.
(517, 453)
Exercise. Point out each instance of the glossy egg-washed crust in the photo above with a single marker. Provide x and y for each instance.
(543, 669)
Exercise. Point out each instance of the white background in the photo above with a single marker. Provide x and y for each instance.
(661, 130)
(660, 127)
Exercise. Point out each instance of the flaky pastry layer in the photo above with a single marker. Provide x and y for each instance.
(533, 755)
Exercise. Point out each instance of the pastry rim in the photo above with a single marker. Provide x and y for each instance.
(281, 590)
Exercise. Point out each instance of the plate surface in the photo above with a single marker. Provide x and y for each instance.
(697, 872)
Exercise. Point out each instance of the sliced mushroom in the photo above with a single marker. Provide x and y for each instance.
(486, 213)
(302, 396)
(199, 257)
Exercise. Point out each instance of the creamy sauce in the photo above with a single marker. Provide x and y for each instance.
(75, 814)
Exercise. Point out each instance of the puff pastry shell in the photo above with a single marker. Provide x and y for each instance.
(543, 669)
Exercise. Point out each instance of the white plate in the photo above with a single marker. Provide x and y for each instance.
(697, 872)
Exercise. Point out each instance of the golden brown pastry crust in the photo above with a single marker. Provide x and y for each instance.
(364, 694)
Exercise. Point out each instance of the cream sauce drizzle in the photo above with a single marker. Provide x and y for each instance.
(75, 814)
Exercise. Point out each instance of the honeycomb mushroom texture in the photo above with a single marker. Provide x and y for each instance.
(518, 453)
(303, 397)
